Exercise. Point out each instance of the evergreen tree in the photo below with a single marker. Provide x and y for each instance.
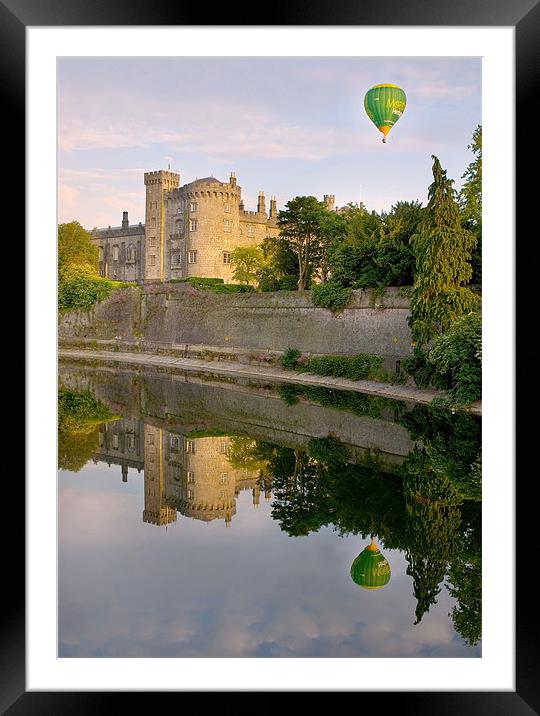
(442, 249)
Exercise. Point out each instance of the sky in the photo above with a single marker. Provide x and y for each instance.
(198, 589)
(285, 126)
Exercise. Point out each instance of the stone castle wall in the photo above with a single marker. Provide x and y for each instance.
(179, 316)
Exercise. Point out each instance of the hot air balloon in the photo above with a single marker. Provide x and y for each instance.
(384, 105)
(370, 569)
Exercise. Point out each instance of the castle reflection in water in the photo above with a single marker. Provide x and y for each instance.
(182, 473)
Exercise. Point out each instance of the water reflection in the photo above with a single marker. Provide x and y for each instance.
(409, 479)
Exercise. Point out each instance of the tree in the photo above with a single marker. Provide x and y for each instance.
(470, 201)
(75, 247)
(442, 249)
(394, 257)
(300, 227)
(352, 261)
(332, 232)
(247, 262)
(280, 269)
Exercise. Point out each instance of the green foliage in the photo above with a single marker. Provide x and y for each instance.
(330, 450)
(352, 402)
(290, 358)
(454, 361)
(331, 295)
(442, 249)
(75, 247)
(300, 227)
(470, 201)
(456, 358)
(358, 367)
(81, 288)
(247, 261)
(215, 285)
(280, 269)
(79, 415)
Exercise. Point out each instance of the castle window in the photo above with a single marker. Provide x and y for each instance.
(115, 441)
(131, 254)
(190, 446)
(115, 253)
(176, 258)
(224, 448)
(175, 443)
(222, 494)
(227, 225)
(227, 208)
(193, 206)
(226, 257)
(130, 441)
(152, 260)
(152, 221)
(251, 230)
(193, 224)
(101, 253)
(224, 478)
(192, 257)
(152, 241)
(191, 477)
(190, 494)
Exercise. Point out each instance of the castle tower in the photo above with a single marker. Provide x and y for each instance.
(156, 510)
(273, 208)
(158, 184)
(329, 200)
(125, 220)
(261, 205)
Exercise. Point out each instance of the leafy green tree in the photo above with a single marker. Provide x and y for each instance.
(442, 249)
(352, 260)
(300, 227)
(280, 269)
(79, 417)
(470, 201)
(333, 230)
(394, 258)
(75, 248)
(247, 261)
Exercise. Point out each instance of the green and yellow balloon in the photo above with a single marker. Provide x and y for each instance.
(384, 105)
(370, 569)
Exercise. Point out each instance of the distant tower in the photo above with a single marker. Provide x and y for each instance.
(157, 185)
(261, 203)
(329, 200)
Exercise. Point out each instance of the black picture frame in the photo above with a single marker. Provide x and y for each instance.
(15, 17)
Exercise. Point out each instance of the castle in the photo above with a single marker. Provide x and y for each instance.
(189, 230)
(182, 473)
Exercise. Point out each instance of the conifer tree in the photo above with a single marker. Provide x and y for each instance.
(442, 249)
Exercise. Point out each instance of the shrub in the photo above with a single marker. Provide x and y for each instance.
(290, 358)
(359, 367)
(454, 361)
(456, 357)
(81, 288)
(331, 295)
(330, 450)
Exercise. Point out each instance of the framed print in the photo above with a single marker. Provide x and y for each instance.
(250, 468)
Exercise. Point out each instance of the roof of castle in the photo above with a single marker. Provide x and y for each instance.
(205, 181)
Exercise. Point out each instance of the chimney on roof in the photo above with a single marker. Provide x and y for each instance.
(125, 220)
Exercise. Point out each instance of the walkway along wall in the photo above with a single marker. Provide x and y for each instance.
(179, 315)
